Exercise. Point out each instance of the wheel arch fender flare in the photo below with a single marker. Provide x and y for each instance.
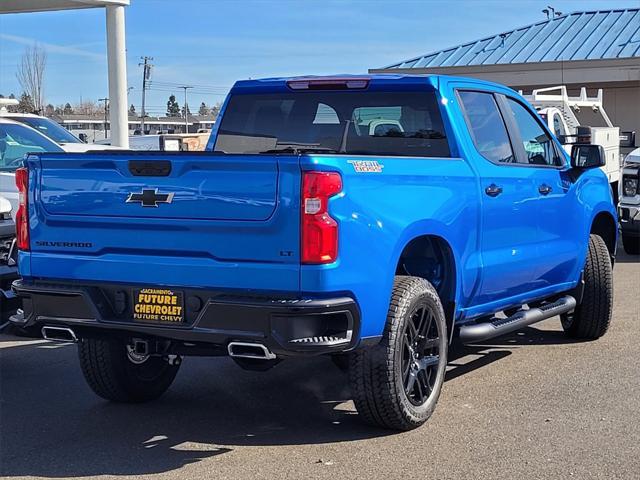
(604, 222)
(439, 231)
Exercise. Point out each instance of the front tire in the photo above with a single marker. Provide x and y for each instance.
(591, 319)
(396, 384)
(113, 374)
(631, 244)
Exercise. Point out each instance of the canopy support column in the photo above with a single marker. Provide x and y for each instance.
(117, 64)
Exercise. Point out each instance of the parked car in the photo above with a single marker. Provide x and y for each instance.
(17, 139)
(8, 262)
(44, 125)
(299, 234)
(50, 129)
(629, 206)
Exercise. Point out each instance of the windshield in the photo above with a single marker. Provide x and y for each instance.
(49, 128)
(347, 122)
(16, 140)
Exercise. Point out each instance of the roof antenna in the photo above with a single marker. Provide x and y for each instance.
(551, 13)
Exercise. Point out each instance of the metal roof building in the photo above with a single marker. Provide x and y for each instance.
(576, 36)
(596, 49)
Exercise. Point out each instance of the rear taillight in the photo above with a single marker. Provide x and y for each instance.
(319, 238)
(22, 215)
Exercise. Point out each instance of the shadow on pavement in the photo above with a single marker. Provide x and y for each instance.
(52, 425)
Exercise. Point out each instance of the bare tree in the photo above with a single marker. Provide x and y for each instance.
(31, 74)
(87, 107)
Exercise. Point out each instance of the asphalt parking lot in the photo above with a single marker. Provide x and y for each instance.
(528, 405)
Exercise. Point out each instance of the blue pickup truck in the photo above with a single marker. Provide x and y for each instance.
(372, 218)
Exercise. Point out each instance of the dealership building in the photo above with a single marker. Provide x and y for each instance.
(593, 49)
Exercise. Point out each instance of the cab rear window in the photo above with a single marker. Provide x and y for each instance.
(343, 122)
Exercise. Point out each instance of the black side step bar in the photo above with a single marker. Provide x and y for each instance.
(479, 332)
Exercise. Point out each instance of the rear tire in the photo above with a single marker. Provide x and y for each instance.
(396, 384)
(631, 244)
(591, 319)
(111, 374)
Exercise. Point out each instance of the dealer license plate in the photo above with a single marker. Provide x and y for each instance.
(158, 305)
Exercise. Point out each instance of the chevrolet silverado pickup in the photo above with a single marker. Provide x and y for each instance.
(372, 218)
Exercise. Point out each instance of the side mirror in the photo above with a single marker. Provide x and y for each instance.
(586, 156)
(83, 137)
(628, 139)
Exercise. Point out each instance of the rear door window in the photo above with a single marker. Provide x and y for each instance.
(487, 126)
(346, 122)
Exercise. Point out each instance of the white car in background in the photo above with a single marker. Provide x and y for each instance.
(50, 129)
(17, 139)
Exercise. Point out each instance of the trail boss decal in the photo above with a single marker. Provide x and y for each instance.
(151, 304)
(366, 166)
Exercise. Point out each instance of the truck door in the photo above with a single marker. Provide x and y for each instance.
(509, 230)
(558, 214)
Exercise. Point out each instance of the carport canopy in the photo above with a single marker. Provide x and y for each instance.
(116, 52)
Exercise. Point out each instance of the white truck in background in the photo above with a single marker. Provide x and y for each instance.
(580, 119)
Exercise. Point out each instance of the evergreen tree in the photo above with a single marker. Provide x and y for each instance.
(25, 104)
(173, 109)
(204, 110)
(215, 110)
(67, 109)
(132, 109)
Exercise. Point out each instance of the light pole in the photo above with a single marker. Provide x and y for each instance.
(186, 108)
(105, 100)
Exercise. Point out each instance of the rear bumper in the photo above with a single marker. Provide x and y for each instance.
(287, 326)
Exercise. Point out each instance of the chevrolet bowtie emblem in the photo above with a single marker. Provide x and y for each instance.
(150, 198)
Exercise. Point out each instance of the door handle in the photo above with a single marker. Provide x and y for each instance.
(493, 190)
(545, 189)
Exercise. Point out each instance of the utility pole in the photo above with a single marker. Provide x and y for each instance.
(146, 75)
(186, 108)
(105, 100)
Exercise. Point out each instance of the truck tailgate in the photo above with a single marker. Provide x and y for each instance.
(192, 219)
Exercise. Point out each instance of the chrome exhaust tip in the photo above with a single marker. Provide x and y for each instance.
(250, 350)
(59, 334)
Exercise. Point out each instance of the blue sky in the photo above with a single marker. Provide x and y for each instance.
(211, 43)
